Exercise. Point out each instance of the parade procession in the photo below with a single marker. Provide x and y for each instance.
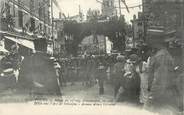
(128, 51)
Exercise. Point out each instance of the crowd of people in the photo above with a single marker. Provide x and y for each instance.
(10, 63)
(113, 69)
(146, 76)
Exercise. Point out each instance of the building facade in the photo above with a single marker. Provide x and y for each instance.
(59, 47)
(25, 20)
(168, 15)
(165, 13)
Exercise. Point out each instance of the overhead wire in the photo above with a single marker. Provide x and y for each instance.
(126, 6)
(136, 6)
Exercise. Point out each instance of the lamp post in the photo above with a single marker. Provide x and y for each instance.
(119, 7)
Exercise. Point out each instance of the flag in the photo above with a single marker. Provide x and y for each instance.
(124, 2)
(56, 4)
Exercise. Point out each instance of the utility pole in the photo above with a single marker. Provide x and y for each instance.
(120, 7)
(144, 20)
(80, 14)
(52, 25)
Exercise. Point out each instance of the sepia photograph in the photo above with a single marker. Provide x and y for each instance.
(76, 57)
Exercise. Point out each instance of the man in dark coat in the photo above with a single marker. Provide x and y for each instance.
(38, 74)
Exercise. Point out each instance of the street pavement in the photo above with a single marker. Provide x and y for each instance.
(77, 91)
(83, 92)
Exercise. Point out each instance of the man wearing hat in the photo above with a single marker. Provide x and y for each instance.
(160, 81)
(131, 81)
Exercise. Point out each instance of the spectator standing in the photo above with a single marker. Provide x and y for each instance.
(130, 88)
(118, 72)
(101, 77)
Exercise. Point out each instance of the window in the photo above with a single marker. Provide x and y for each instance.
(7, 6)
(40, 10)
(112, 4)
(48, 18)
(32, 5)
(49, 31)
(45, 29)
(40, 27)
(32, 28)
(20, 15)
(13, 10)
(107, 4)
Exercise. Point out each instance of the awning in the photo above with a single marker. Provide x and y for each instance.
(26, 43)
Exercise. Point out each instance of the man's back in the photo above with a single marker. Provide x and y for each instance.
(162, 65)
(38, 69)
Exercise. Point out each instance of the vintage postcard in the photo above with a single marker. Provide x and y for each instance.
(90, 57)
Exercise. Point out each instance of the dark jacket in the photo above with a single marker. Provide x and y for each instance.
(39, 69)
